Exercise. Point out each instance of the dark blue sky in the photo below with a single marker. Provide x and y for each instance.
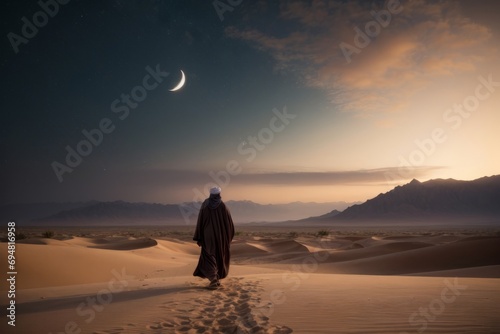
(261, 56)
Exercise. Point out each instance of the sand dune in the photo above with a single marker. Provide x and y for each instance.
(120, 284)
(281, 246)
(89, 261)
(455, 255)
(127, 244)
(246, 250)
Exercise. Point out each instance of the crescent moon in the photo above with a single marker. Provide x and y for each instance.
(180, 84)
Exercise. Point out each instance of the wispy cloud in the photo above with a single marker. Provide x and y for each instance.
(425, 41)
(355, 177)
(377, 176)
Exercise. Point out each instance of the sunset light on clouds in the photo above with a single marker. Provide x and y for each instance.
(398, 89)
(274, 108)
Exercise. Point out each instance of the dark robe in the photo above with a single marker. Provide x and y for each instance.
(214, 233)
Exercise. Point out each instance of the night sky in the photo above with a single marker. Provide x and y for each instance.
(283, 100)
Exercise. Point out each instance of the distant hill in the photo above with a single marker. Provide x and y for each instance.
(247, 211)
(26, 212)
(116, 213)
(432, 202)
(126, 213)
(435, 199)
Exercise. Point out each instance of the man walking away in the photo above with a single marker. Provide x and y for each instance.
(214, 233)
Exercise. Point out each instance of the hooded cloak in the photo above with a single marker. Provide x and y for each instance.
(214, 233)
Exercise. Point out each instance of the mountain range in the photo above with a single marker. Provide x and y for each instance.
(96, 213)
(431, 202)
(434, 201)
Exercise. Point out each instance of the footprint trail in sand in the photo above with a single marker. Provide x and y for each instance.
(229, 309)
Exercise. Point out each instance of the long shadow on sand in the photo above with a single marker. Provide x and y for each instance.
(123, 296)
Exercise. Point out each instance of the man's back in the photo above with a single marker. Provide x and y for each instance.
(214, 233)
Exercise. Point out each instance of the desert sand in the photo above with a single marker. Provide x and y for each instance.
(281, 280)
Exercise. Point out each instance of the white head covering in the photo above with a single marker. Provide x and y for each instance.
(215, 190)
